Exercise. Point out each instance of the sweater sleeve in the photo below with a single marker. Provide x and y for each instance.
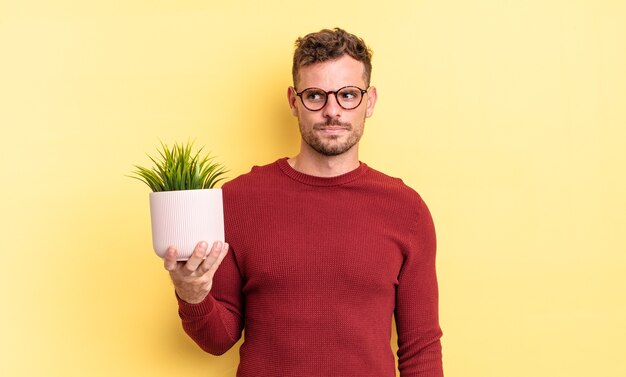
(216, 323)
(416, 313)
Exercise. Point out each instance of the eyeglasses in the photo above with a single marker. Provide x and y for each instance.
(348, 97)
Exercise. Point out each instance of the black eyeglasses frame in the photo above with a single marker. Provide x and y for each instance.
(363, 91)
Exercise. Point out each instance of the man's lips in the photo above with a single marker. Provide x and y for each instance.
(333, 128)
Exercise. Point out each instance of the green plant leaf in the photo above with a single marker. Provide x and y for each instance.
(179, 168)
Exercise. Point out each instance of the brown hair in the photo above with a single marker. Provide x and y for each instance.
(329, 45)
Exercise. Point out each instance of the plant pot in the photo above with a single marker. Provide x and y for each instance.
(184, 218)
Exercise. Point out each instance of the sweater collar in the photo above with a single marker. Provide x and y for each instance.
(312, 180)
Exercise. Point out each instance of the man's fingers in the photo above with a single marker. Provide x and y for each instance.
(170, 258)
(214, 258)
(219, 260)
(197, 257)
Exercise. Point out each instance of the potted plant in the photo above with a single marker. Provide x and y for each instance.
(185, 206)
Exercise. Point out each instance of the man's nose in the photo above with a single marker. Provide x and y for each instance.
(332, 108)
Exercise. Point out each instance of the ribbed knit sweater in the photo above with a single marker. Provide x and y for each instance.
(316, 270)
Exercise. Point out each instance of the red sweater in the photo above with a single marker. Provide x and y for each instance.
(317, 268)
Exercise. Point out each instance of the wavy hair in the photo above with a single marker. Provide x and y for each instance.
(327, 45)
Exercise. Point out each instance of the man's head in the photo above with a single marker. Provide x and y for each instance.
(330, 45)
(332, 95)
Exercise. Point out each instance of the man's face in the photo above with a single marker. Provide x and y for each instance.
(332, 130)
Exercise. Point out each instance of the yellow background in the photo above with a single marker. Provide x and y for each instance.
(509, 117)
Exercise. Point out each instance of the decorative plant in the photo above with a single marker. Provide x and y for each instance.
(178, 168)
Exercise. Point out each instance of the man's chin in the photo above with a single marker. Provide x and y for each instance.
(330, 145)
(332, 150)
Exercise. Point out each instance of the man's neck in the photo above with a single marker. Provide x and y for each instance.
(319, 165)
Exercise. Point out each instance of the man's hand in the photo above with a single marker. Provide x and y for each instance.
(193, 279)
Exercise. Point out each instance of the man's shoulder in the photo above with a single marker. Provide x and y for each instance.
(258, 175)
(403, 200)
(392, 185)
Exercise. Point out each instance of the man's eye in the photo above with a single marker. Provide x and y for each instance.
(315, 96)
(349, 94)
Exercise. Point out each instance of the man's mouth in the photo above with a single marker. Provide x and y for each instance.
(333, 127)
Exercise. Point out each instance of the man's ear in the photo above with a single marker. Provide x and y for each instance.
(292, 98)
(372, 96)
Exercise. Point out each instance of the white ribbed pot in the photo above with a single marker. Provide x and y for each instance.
(184, 218)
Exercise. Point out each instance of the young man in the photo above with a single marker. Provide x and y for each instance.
(324, 250)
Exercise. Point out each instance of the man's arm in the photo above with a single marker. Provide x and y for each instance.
(417, 315)
(210, 309)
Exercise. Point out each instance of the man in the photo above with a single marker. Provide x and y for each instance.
(322, 250)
